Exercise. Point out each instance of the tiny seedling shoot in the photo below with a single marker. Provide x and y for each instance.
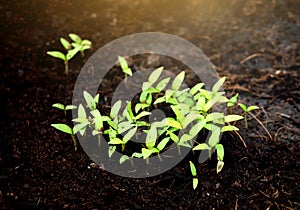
(191, 110)
(72, 49)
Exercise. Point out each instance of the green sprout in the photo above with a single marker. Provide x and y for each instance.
(66, 129)
(194, 173)
(81, 44)
(124, 66)
(78, 46)
(63, 107)
(246, 110)
(191, 110)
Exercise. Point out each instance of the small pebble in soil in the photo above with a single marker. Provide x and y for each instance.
(20, 72)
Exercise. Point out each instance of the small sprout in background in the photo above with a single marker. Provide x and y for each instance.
(232, 100)
(124, 66)
(78, 46)
(63, 107)
(81, 44)
(194, 173)
(66, 129)
(246, 110)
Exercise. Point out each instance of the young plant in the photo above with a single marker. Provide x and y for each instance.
(191, 113)
(67, 129)
(65, 57)
(246, 110)
(72, 49)
(81, 44)
(63, 107)
(194, 173)
(124, 66)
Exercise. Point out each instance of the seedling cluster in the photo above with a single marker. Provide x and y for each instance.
(72, 48)
(191, 110)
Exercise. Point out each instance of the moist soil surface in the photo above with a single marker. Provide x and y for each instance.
(255, 44)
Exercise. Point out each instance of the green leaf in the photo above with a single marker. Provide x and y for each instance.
(169, 93)
(140, 106)
(160, 100)
(151, 137)
(215, 136)
(130, 134)
(250, 108)
(81, 112)
(178, 81)
(63, 127)
(115, 141)
(70, 107)
(220, 151)
(142, 114)
(210, 103)
(195, 183)
(59, 106)
(155, 75)
(206, 93)
(123, 159)
(71, 53)
(200, 103)
(65, 43)
(233, 117)
(197, 128)
(86, 42)
(149, 99)
(196, 88)
(124, 126)
(146, 153)
(143, 97)
(243, 106)
(96, 99)
(115, 109)
(130, 115)
(177, 112)
(162, 84)
(201, 146)
(185, 137)
(124, 66)
(193, 168)
(98, 119)
(218, 85)
(146, 85)
(188, 119)
(214, 116)
(163, 143)
(80, 127)
(57, 54)
(137, 155)
(173, 136)
(89, 100)
(229, 128)
(172, 122)
(220, 166)
(75, 38)
(232, 100)
(111, 150)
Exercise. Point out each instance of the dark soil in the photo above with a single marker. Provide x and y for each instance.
(254, 43)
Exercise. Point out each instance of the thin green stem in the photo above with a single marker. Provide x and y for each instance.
(245, 118)
(66, 67)
(74, 141)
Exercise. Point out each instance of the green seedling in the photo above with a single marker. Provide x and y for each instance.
(192, 113)
(194, 173)
(63, 107)
(81, 44)
(66, 129)
(65, 57)
(246, 110)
